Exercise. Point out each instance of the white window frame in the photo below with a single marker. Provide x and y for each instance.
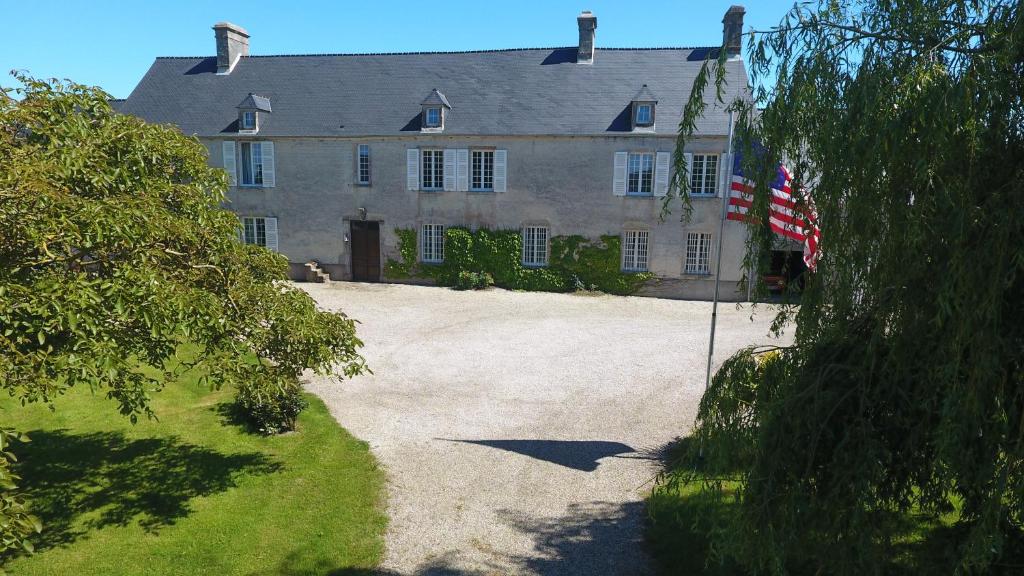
(426, 117)
(698, 254)
(704, 175)
(480, 172)
(246, 116)
(635, 165)
(432, 243)
(535, 246)
(255, 164)
(650, 110)
(363, 168)
(251, 230)
(436, 165)
(636, 246)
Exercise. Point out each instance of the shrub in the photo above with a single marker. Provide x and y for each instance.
(16, 524)
(269, 407)
(473, 280)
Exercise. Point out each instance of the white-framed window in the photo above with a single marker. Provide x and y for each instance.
(482, 179)
(698, 253)
(704, 174)
(252, 163)
(643, 115)
(640, 173)
(432, 241)
(249, 120)
(363, 164)
(433, 169)
(432, 117)
(254, 231)
(535, 246)
(634, 250)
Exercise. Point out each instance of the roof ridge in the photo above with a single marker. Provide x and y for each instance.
(430, 52)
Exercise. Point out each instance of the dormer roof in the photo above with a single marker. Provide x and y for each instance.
(436, 98)
(254, 102)
(645, 95)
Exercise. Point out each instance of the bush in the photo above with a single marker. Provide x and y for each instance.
(269, 407)
(16, 524)
(473, 280)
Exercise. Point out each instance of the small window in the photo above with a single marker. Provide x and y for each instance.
(254, 231)
(432, 117)
(634, 251)
(698, 253)
(252, 164)
(643, 115)
(249, 120)
(433, 243)
(363, 165)
(535, 246)
(640, 174)
(483, 171)
(433, 169)
(704, 175)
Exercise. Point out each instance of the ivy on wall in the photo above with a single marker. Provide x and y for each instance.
(575, 262)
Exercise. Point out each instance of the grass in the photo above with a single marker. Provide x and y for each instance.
(682, 523)
(193, 493)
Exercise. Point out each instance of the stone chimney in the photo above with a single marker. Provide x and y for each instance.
(232, 44)
(588, 24)
(732, 30)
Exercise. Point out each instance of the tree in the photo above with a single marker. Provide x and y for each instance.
(115, 252)
(903, 393)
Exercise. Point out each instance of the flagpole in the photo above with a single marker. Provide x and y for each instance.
(718, 270)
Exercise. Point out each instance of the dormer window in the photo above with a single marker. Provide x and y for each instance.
(248, 120)
(433, 117)
(249, 113)
(643, 110)
(435, 106)
(644, 115)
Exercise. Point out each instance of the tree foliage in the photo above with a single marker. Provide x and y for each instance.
(115, 250)
(904, 390)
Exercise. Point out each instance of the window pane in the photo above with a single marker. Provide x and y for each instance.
(249, 230)
(643, 114)
(433, 169)
(364, 164)
(433, 243)
(698, 253)
(261, 231)
(482, 170)
(647, 174)
(257, 163)
(535, 245)
(247, 163)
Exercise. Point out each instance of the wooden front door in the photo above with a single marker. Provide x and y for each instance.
(365, 251)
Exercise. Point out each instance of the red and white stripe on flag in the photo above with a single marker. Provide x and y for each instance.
(785, 217)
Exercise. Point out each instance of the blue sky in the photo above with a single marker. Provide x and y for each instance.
(112, 44)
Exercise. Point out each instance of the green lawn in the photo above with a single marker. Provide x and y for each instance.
(682, 519)
(194, 493)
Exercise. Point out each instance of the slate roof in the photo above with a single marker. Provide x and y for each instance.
(645, 95)
(254, 102)
(435, 97)
(540, 91)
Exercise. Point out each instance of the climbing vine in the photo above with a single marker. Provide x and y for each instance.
(575, 263)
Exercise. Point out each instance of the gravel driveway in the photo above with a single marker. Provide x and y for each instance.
(518, 430)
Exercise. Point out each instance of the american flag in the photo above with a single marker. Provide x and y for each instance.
(786, 218)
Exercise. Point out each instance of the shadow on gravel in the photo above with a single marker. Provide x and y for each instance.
(592, 538)
(577, 454)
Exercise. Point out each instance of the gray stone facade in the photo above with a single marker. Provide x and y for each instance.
(564, 183)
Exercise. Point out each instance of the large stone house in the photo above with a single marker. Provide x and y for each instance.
(329, 154)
